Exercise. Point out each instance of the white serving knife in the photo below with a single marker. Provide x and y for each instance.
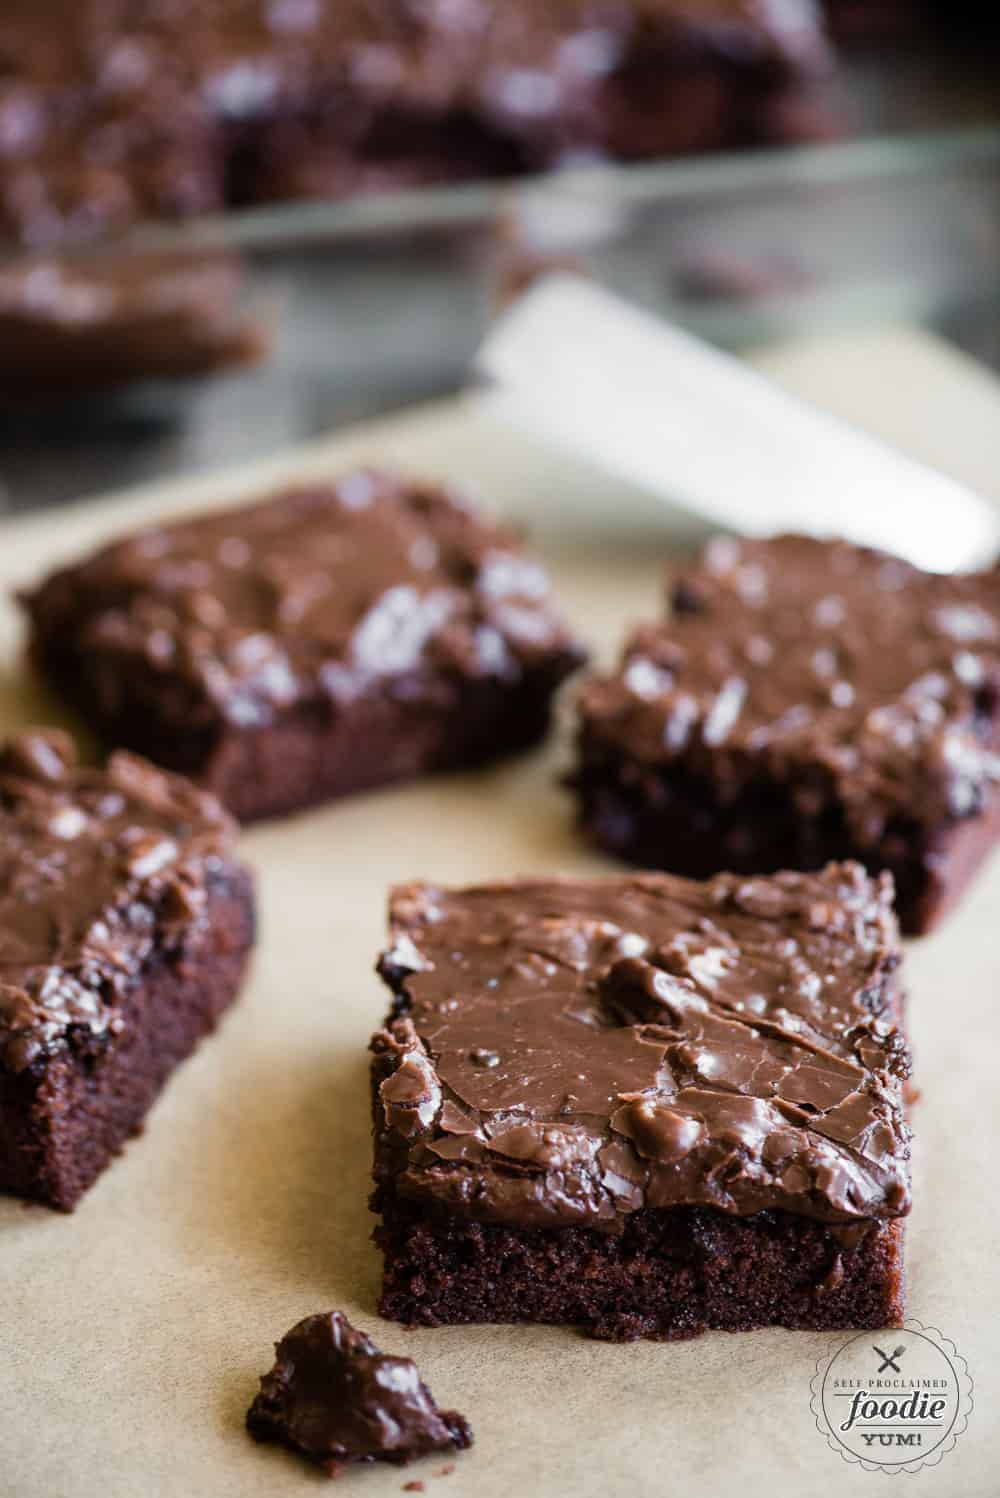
(714, 438)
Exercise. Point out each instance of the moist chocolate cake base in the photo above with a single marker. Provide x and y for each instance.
(313, 752)
(63, 1119)
(671, 1273)
(678, 823)
(317, 756)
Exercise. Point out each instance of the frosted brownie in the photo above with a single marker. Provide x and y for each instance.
(807, 701)
(327, 640)
(125, 927)
(645, 1105)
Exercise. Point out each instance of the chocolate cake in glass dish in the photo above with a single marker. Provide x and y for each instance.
(644, 1105)
(335, 1399)
(118, 111)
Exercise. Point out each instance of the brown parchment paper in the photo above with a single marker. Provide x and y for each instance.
(134, 1331)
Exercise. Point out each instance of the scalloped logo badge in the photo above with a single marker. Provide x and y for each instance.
(893, 1401)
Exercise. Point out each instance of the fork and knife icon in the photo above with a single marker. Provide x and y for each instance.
(889, 1358)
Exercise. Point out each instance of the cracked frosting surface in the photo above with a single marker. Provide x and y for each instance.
(569, 1052)
(96, 867)
(861, 681)
(318, 594)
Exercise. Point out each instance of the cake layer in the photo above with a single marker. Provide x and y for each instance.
(605, 1074)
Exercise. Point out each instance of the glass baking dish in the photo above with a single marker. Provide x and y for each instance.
(365, 305)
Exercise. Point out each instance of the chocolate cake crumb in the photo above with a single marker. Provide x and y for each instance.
(117, 113)
(336, 1399)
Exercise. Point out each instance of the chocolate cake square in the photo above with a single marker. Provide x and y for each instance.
(125, 927)
(807, 701)
(325, 641)
(644, 1105)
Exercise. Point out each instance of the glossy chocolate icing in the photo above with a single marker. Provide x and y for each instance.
(863, 683)
(96, 866)
(335, 1398)
(570, 1052)
(318, 595)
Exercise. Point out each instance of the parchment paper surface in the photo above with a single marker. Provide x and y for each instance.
(132, 1333)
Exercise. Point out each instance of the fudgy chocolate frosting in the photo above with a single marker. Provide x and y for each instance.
(95, 867)
(318, 594)
(853, 676)
(570, 1052)
(335, 1398)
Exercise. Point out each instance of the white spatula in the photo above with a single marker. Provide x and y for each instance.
(711, 436)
